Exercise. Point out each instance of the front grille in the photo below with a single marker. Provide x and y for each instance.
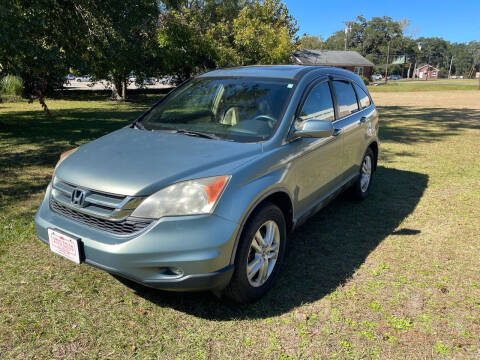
(123, 227)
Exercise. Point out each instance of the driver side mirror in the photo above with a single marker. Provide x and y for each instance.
(314, 129)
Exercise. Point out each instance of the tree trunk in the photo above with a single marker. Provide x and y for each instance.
(119, 88)
(386, 66)
(124, 89)
(39, 91)
(116, 86)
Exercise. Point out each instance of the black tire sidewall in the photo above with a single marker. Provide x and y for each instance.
(240, 288)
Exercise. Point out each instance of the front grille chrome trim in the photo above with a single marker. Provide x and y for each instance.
(99, 204)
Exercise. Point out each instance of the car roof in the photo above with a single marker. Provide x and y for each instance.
(293, 72)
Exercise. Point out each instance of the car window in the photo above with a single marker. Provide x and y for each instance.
(231, 108)
(318, 105)
(362, 97)
(347, 101)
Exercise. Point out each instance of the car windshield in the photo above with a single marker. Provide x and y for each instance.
(237, 109)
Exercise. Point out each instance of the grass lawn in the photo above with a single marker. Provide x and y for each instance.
(394, 277)
(424, 85)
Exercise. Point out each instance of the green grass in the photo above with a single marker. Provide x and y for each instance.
(424, 85)
(395, 276)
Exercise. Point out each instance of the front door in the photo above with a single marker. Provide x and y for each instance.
(318, 160)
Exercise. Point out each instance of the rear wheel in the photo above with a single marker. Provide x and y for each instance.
(361, 186)
(259, 254)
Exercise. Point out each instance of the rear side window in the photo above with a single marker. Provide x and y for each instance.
(347, 101)
(319, 104)
(362, 97)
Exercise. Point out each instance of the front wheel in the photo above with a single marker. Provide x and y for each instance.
(361, 186)
(259, 254)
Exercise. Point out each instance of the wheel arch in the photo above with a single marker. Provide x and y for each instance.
(279, 197)
(374, 146)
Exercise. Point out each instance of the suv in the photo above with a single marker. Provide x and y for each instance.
(200, 192)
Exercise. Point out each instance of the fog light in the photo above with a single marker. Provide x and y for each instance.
(171, 272)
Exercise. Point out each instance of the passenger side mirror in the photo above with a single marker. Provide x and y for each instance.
(314, 129)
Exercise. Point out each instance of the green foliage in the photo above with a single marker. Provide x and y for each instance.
(121, 39)
(11, 85)
(35, 43)
(193, 36)
(264, 33)
(365, 79)
(311, 42)
(183, 47)
(371, 38)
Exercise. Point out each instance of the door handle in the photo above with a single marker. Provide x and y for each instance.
(363, 119)
(337, 132)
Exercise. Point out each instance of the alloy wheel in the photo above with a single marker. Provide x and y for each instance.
(263, 253)
(366, 173)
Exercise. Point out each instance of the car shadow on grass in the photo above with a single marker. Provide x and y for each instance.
(322, 254)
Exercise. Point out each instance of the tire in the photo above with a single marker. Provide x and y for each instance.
(359, 189)
(241, 289)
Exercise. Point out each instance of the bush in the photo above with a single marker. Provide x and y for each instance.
(365, 79)
(11, 87)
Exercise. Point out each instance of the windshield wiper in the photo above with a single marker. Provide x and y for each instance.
(196, 133)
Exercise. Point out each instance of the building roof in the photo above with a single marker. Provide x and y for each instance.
(330, 58)
(433, 67)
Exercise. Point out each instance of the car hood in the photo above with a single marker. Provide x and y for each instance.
(139, 162)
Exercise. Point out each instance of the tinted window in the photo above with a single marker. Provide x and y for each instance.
(362, 97)
(347, 101)
(318, 105)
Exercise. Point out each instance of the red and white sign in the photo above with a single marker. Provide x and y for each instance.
(64, 245)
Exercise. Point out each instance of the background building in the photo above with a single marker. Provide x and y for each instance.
(350, 60)
(427, 71)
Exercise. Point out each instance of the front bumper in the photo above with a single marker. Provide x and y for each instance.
(199, 246)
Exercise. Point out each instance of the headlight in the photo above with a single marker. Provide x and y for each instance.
(64, 155)
(185, 198)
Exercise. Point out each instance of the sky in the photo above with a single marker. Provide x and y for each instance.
(456, 21)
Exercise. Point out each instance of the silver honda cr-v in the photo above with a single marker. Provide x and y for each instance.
(200, 191)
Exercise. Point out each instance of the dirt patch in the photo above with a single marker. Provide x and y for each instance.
(430, 99)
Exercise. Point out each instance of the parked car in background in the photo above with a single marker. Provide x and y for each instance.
(84, 78)
(70, 77)
(394, 77)
(376, 77)
(149, 81)
(169, 80)
(200, 191)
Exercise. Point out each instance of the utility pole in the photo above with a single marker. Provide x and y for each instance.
(348, 29)
(386, 66)
(450, 69)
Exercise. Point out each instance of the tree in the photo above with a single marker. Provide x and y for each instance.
(197, 35)
(120, 39)
(370, 38)
(311, 42)
(183, 46)
(475, 51)
(36, 44)
(107, 39)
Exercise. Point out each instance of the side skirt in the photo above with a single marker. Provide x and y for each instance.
(322, 202)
